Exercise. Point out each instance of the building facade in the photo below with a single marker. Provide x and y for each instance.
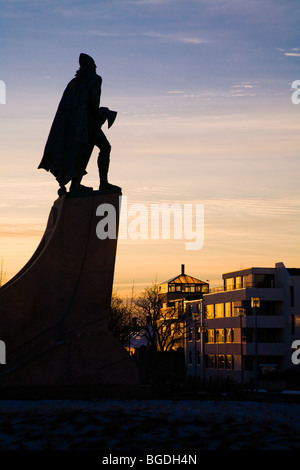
(246, 327)
(172, 295)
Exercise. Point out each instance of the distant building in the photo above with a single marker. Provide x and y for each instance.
(172, 295)
(246, 327)
(180, 288)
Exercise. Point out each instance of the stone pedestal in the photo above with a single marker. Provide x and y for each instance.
(54, 313)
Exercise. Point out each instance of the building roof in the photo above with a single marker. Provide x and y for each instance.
(184, 279)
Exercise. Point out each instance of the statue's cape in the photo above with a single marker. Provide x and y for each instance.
(74, 129)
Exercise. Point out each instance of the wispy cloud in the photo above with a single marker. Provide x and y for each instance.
(166, 37)
(254, 206)
(244, 89)
(177, 37)
(293, 54)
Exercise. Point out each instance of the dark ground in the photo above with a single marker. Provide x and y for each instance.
(148, 425)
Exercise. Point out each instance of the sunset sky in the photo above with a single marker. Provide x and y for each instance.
(205, 116)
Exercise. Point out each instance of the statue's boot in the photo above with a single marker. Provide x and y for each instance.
(77, 187)
(105, 186)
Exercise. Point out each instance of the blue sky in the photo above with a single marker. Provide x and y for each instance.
(203, 94)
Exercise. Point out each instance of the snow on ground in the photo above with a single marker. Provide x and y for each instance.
(151, 425)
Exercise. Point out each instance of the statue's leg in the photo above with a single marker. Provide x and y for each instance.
(103, 163)
(103, 158)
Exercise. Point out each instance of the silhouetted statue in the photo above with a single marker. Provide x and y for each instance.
(76, 129)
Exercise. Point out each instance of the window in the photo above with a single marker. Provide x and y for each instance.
(228, 361)
(267, 307)
(220, 360)
(264, 280)
(198, 337)
(229, 335)
(228, 309)
(190, 334)
(210, 336)
(178, 288)
(239, 282)
(220, 336)
(269, 335)
(210, 361)
(235, 308)
(171, 288)
(219, 310)
(229, 283)
(209, 311)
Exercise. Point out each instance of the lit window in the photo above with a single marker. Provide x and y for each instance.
(239, 282)
(210, 336)
(229, 283)
(220, 336)
(229, 335)
(209, 311)
(228, 309)
(219, 310)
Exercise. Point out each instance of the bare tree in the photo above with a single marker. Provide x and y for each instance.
(122, 321)
(164, 327)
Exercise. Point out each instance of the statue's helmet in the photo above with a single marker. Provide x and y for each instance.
(86, 62)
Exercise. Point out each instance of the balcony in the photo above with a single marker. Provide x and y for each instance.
(244, 285)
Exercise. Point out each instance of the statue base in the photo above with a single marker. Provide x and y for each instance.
(54, 314)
